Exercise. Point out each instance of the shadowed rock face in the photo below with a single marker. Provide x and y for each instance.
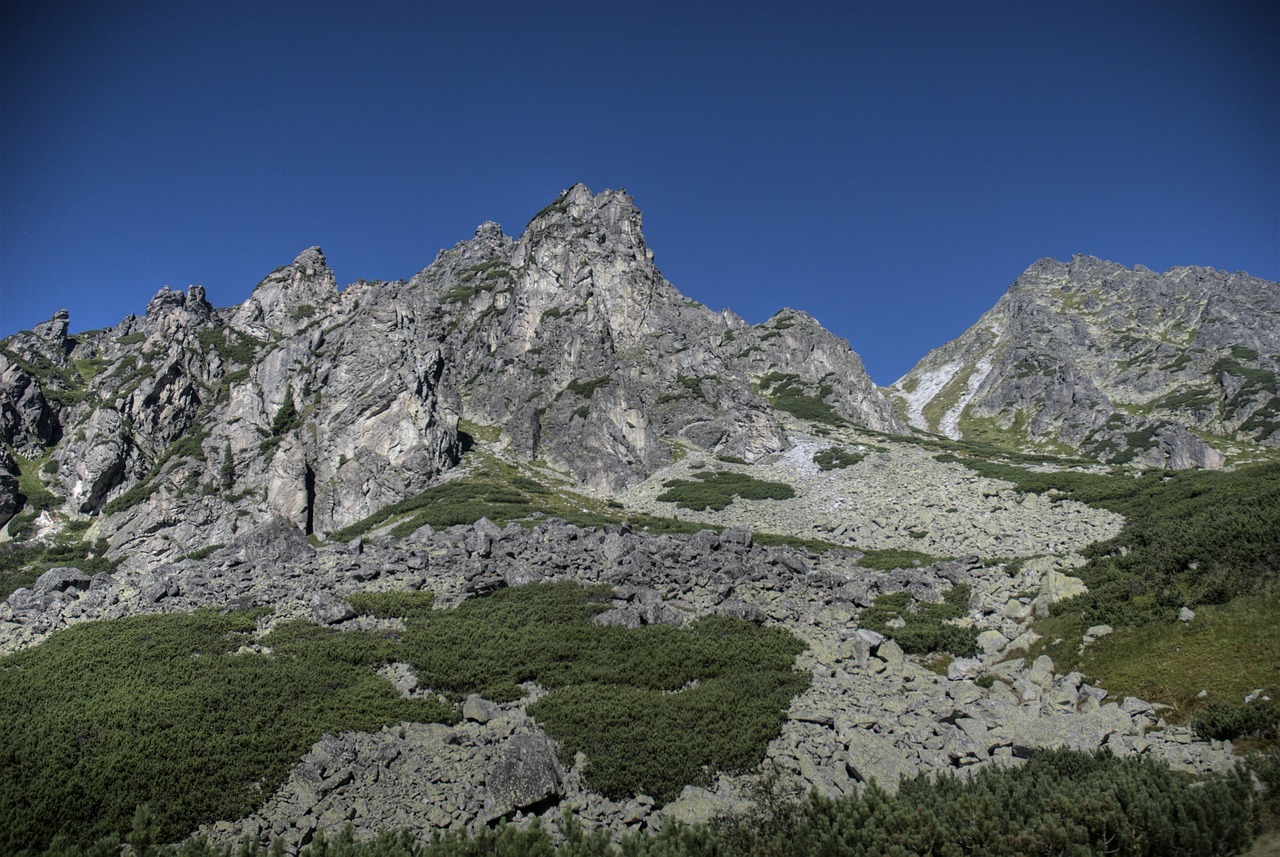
(1126, 364)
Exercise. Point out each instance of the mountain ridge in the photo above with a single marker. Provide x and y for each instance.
(1125, 364)
(323, 405)
(320, 470)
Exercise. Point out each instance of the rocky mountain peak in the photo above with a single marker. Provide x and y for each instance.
(610, 219)
(310, 262)
(288, 297)
(490, 232)
(1124, 363)
(54, 331)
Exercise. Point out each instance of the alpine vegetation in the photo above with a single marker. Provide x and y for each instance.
(531, 554)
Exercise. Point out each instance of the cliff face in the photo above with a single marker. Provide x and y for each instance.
(189, 424)
(1124, 364)
(572, 341)
(182, 427)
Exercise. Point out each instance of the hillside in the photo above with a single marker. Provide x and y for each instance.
(532, 536)
(1126, 365)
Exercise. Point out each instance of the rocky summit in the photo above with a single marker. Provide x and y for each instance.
(326, 464)
(187, 425)
(1172, 370)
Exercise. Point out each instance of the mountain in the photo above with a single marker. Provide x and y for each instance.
(1126, 365)
(532, 536)
(190, 424)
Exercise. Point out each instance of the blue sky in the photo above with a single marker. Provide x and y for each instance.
(889, 167)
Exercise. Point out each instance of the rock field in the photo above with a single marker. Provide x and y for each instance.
(898, 497)
(870, 712)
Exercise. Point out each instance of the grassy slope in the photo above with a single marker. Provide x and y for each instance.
(167, 710)
(1208, 540)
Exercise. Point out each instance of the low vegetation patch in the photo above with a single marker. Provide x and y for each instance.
(166, 711)
(836, 458)
(925, 627)
(107, 715)
(1191, 537)
(233, 346)
(1202, 539)
(500, 492)
(22, 560)
(1227, 651)
(1228, 721)
(1060, 802)
(653, 708)
(31, 486)
(788, 393)
(587, 389)
(719, 489)
(461, 501)
(887, 559)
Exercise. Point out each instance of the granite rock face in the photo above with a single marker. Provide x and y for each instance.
(573, 343)
(188, 425)
(10, 492)
(320, 406)
(1125, 364)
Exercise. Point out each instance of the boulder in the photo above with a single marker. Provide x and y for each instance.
(478, 709)
(525, 775)
(873, 757)
(328, 609)
(964, 669)
(62, 579)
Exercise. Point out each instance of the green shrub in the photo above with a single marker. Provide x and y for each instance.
(130, 498)
(1190, 537)
(163, 710)
(1060, 802)
(104, 716)
(717, 490)
(586, 389)
(234, 347)
(887, 559)
(836, 458)
(286, 418)
(926, 629)
(23, 561)
(386, 605)
(1227, 721)
(787, 393)
(653, 708)
(692, 384)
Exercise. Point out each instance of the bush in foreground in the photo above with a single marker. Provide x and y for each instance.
(172, 712)
(1061, 802)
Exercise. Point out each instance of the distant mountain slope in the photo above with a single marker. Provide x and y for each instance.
(1123, 364)
(190, 424)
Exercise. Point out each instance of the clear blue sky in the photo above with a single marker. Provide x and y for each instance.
(890, 167)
